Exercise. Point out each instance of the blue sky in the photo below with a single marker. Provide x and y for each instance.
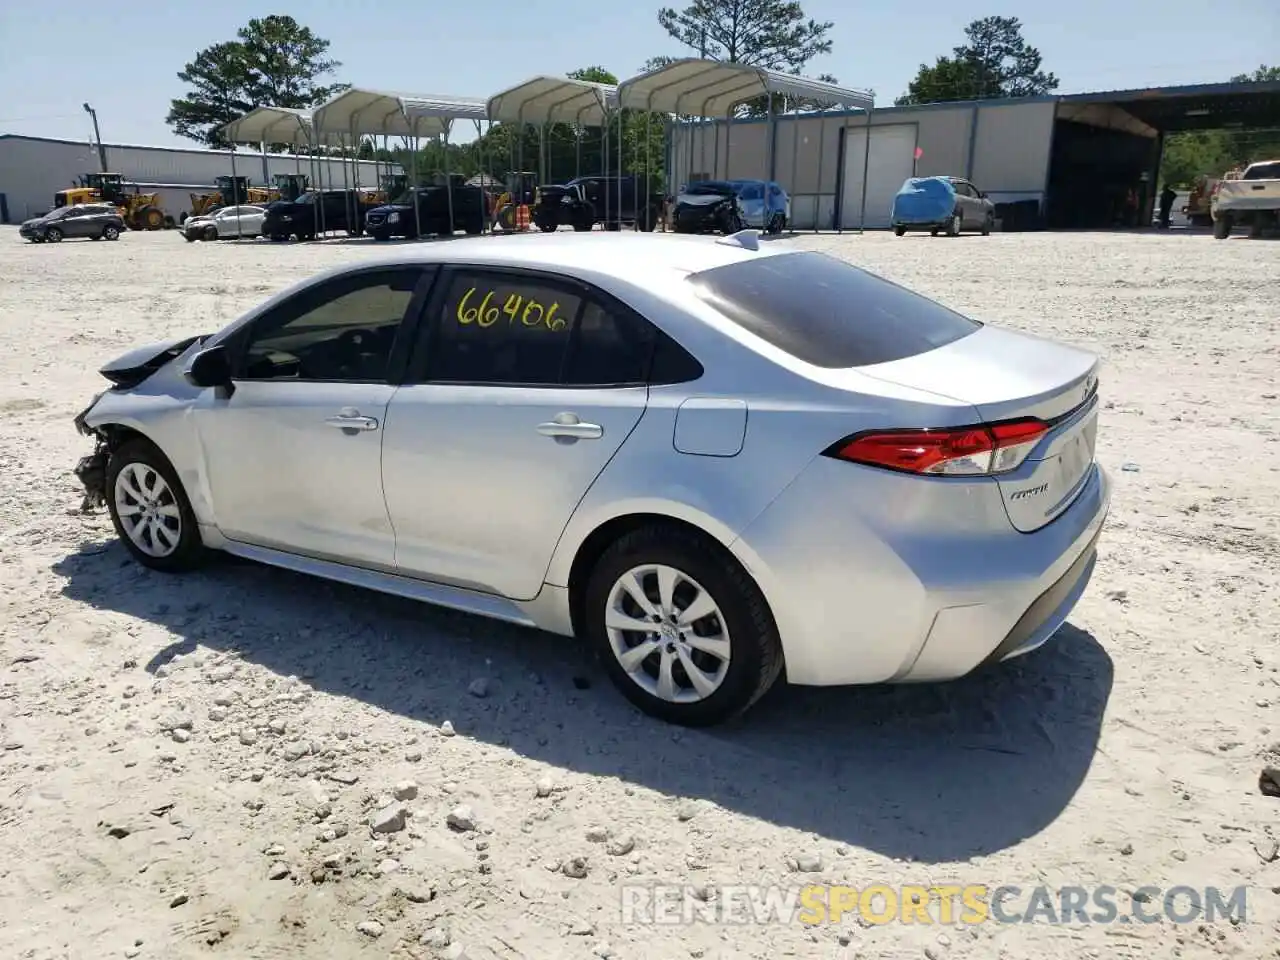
(477, 49)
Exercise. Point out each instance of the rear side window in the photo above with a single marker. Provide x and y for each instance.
(502, 328)
(1263, 171)
(827, 312)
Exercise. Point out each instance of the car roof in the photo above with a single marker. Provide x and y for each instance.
(645, 260)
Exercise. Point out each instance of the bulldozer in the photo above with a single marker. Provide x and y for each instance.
(141, 211)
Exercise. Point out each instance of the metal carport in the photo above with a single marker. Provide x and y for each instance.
(544, 100)
(267, 125)
(710, 89)
(358, 113)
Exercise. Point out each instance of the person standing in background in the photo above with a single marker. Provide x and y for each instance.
(1167, 196)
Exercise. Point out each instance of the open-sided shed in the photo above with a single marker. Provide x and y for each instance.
(544, 100)
(357, 113)
(711, 90)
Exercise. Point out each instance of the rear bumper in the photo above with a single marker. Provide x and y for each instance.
(895, 594)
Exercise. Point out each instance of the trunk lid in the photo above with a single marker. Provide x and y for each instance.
(1006, 375)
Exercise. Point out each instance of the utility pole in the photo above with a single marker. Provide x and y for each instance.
(97, 136)
(702, 46)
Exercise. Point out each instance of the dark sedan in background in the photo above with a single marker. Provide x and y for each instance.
(94, 221)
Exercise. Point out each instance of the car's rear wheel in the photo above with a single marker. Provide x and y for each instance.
(899, 231)
(988, 224)
(953, 225)
(1222, 227)
(110, 232)
(682, 629)
(53, 235)
(149, 509)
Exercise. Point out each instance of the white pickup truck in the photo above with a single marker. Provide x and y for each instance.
(1253, 200)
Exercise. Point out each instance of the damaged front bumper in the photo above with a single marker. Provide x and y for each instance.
(92, 470)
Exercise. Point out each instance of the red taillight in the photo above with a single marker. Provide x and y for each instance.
(951, 451)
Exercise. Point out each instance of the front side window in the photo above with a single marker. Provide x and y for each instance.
(502, 328)
(342, 329)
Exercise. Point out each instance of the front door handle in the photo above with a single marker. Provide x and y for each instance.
(349, 418)
(568, 426)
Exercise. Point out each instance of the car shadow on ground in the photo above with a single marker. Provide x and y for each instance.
(931, 773)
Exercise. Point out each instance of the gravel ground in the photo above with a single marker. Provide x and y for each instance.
(250, 764)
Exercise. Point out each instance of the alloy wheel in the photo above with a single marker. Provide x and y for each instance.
(668, 633)
(148, 510)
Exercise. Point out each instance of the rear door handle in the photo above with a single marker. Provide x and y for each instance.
(568, 426)
(349, 418)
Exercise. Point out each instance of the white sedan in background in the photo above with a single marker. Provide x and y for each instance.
(225, 223)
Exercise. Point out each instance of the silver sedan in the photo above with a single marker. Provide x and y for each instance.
(718, 461)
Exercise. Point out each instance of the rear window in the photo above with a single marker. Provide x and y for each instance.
(827, 312)
(1263, 171)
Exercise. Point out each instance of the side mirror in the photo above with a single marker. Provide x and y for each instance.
(210, 368)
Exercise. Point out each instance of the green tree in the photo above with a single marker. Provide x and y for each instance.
(995, 62)
(273, 61)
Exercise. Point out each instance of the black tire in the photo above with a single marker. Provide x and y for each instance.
(581, 227)
(1222, 227)
(209, 233)
(933, 233)
(899, 231)
(755, 661)
(987, 225)
(188, 237)
(189, 552)
(546, 226)
(954, 224)
(110, 232)
(53, 235)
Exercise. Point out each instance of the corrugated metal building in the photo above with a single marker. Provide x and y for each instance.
(1003, 146)
(33, 169)
(1071, 159)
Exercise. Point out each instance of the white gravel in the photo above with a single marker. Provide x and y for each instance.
(160, 734)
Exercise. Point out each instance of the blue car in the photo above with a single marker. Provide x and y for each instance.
(726, 206)
(942, 205)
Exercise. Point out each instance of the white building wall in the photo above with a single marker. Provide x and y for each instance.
(33, 169)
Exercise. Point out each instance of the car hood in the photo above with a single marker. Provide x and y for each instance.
(132, 368)
(702, 199)
(196, 221)
(33, 221)
(393, 208)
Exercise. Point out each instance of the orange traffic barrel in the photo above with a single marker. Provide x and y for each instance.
(522, 217)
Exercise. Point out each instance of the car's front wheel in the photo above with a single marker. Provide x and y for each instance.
(53, 235)
(899, 231)
(210, 233)
(682, 629)
(110, 232)
(149, 509)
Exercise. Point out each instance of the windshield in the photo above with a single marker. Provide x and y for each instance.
(712, 187)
